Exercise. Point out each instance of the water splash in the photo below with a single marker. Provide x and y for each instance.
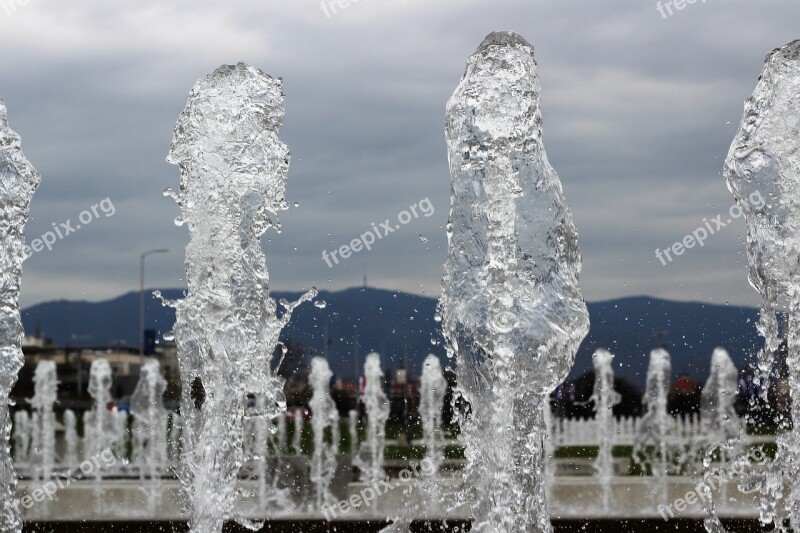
(18, 181)
(22, 437)
(370, 457)
(150, 425)
(604, 398)
(233, 172)
(511, 306)
(297, 433)
(764, 162)
(324, 417)
(651, 447)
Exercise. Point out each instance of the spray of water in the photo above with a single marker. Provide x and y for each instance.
(324, 417)
(764, 161)
(18, 181)
(511, 305)
(233, 172)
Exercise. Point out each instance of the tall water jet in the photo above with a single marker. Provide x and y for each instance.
(604, 398)
(233, 171)
(511, 305)
(651, 447)
(45, 391)
(18, 181)
(324, 417)
(150, 425)
(370, 454)
(762, 171)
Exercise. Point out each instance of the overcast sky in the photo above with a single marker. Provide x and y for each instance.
(639, 112)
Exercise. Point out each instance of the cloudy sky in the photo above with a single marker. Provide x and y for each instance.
(639, 113)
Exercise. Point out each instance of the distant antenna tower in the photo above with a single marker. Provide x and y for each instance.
(365, 282)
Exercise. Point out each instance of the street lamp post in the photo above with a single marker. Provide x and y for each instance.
(141, 300)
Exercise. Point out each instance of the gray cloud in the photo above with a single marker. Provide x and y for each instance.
(635, 107)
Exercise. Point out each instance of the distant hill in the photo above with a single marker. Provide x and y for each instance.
(400, 326)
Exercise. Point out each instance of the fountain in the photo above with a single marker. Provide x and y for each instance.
(99, 431)
(233, 171)
(44, 449)
(70, 456)
(324, 417)
(764, 161)
(19, 181)
(370, 454)
(22, 437)
(352, 427)
(651, 449)
(150, 425)
(604, 398)
(433, 388)
(511, 306)
(297, 432)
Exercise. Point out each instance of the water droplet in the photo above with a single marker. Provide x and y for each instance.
(179, 221)
(169, 336)
(423, 238)
(320, 304)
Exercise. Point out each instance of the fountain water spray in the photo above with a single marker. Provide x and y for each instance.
(70, 456)
(324, 416)
(297, 434)
(511, 304)
(352, 426)
(22, 437)
(433, 388)
(98, 423)
(722, 427)
(233, 172)
(764, 160)
(45, 392)
(651, 445)
(150, 416)
(604, 398)
(18, 181)
(370, 454)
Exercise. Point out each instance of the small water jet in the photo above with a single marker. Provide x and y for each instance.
(433, 388)
(70, 456)
(651, 449)
(44, 431)
(324, 417)
(18, 182)
(511, 305)
(99, 431)
(370, 457)
(150, 425)
(233, 169)
(604, 398)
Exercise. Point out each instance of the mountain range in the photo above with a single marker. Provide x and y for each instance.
(402, 328)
